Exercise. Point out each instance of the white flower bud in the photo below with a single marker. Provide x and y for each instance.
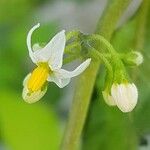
(108, 98)
(125, 96)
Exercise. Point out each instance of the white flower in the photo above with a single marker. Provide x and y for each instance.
(108, 98)
(49, 62)
(125, 96)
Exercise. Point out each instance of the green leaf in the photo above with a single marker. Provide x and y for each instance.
(25, 126)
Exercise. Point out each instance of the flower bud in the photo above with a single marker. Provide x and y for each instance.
(134, 58)
(125, 96)
(108, 98)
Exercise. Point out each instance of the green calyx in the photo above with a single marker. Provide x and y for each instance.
(120, 73)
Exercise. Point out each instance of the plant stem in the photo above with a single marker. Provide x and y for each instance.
(141, 20)
(104, 41)
(96, 54)
(85, 84)
(139, 37)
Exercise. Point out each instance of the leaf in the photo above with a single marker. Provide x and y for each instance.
(25, 126)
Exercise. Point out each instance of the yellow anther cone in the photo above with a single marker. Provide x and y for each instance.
(38, 78)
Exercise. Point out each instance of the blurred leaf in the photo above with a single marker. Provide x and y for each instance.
(14, 11)
(27, 127)
(141, 116)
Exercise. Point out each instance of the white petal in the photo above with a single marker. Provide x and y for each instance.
(108, 98)
(62, 77)
(59, 82)
(69, 74)
(125, 96)
(31, 53)
(32, 97)
(53, 51)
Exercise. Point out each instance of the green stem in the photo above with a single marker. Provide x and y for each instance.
(109, 20)
(139, 37)
(104, 41)
(141, 21)
(85, 84)
(95, 54)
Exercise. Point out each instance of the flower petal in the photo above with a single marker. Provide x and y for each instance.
(63, 74)
(108, 99)
(34, 96)
(53, 51)
(31, 53)
(62, 77)
(59, 82)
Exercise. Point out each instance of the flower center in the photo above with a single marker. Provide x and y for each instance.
(38, 77)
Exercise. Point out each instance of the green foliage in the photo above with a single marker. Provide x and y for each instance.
(14, 9)
(37, 127)
(25, 126)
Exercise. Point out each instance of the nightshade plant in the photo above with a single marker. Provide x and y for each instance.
(49, 59)
(118, 89)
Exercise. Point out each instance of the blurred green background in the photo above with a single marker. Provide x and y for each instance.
(40, 126)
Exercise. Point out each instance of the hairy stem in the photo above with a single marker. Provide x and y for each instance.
(85, 84)
(104, 41)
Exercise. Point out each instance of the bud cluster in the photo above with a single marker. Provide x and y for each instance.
(118, 89)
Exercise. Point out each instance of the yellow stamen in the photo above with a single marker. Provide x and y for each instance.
(38, 77)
